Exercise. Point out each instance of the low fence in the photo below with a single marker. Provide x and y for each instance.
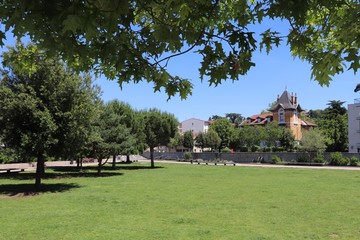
(239, 157)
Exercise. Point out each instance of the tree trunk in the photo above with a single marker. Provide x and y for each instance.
(114, 162)
(128, 158)
(99, 165)
(40, 170)
(152, 157)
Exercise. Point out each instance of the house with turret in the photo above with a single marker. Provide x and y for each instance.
(286, 112)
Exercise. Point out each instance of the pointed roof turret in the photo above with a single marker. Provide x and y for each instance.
(286, 101)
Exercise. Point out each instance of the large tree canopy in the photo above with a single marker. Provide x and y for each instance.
(133, 40)
(47, 112)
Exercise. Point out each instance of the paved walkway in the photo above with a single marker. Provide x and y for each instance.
(32, 166)
(262, 165)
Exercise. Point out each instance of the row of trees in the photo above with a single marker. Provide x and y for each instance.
(49, 111)
(329, 135)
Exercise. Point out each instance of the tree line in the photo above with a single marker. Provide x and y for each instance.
(225, 133)
(48, 111)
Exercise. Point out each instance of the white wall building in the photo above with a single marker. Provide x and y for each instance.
(354, 126)
(195, 125)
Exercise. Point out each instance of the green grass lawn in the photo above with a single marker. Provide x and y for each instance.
(177, 201)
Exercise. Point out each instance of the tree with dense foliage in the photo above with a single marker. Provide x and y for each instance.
(313, 140)
(251, 135)
(235, 118)
(287, 139)
(200, 140)
(135, 40)
(212, 140)
(224, 129)
(176, 141)
(116, 130)
(333, 123)
(188, 140)
(215, 117)
(159, 128)
(273, 134)
(44, 108)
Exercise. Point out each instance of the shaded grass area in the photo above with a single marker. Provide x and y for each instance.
(187, 202)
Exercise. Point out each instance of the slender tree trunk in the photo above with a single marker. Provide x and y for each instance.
(40, 170)
(99, 165)
(128, 158)
(152, 157)
(78, 163)
(114, 162)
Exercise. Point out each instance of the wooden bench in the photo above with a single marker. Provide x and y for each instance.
(12, 170)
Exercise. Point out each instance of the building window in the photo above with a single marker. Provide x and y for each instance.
(295, 117)
(281, 115)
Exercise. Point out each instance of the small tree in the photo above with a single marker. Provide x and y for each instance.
(188, 140)
(224, 129)
(212, 139)
(159, 128)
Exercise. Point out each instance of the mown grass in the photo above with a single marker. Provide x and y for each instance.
(179, 201)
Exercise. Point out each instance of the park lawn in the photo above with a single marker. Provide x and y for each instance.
(184, 201)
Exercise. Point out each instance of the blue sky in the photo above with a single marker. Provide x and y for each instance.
(250, 95)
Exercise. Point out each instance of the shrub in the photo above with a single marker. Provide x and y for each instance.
(266, 149)
(255, 148)
(244, 149)
(226, 150)
(337, 159)
(354, 161)
(278, 149)
(303, 158)
(188, 155)
(319, 158)
(276, 159)
(7, 155)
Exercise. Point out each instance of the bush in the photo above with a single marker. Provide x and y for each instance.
(226, 150)
(244, 149)
(319, 158)
(337, 159)
(276, 159)
(7, 155)
(303, 158)
(255, 148)
(188, 156)
(354, 161)
(266, 149)
(278, 149)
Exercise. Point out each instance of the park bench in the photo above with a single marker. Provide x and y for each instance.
(11, 170)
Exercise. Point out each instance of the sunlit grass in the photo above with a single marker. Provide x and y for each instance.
(179, 201)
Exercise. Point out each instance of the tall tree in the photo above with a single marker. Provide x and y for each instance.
(41, 105)
(333, 123)
(188, 140)
(117, 129)
(159, 128)
(135, 40)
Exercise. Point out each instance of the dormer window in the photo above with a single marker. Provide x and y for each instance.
(281, 114)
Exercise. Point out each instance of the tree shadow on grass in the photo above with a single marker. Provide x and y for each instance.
(105, 168)
(28, 189)
(58, 175)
